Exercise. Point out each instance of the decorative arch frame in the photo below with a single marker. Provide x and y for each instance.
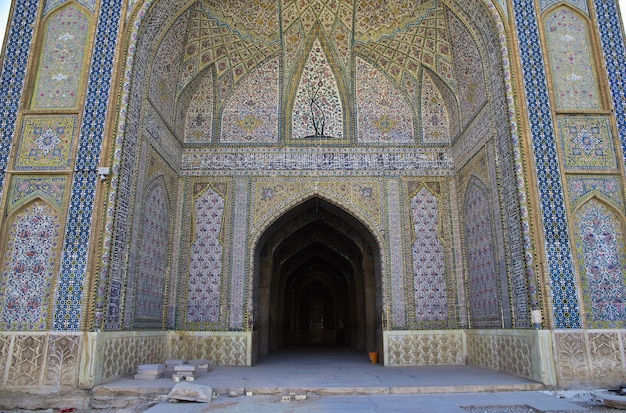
(81, 83)
(586, 291)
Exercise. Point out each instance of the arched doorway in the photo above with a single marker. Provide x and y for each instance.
(317, 281)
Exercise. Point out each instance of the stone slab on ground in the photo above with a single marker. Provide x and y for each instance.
(191, 393)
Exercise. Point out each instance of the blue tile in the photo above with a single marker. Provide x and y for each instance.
(557, 246)
(74, 259)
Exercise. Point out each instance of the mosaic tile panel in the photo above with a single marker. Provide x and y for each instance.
(426, 42)
(153, 259)
(27, 279)
(569, 54)
(166, 67)
(317, 110)
(559, 255)
(251, 18)
(482, 278)
(75, 248)
(429, 281)
(310, 13)
(129, 128)
(397, 293)
(52, 4)
(383, 114)
(46, 143)
(434, 114)
(238, 281)
(580, 4)
(608, 187)
(59, 81)
(587, 142)
(612, 39)
(26, 188)
(234, 53)
(600, 245)
(468, 69)
(251, 114)
(205, 275)
(15, 62)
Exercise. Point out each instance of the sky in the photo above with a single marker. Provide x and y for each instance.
(5, 6)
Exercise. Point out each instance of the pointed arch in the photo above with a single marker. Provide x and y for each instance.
(59, 83)
(153, 258)
(600, 245)
(316, 97)
(570, 58)
(480, 256)
(29, 261)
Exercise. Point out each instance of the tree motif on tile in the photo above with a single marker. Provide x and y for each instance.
(205, 273)
(46, 143)
(317, 109)
(429, 282)
(62, 360)
(251, 114)
(383, 114)
(602, 259)
(153, 259)
(482, 283)
(60, 66)
(569, 53)
(435, 120)
(27, 274)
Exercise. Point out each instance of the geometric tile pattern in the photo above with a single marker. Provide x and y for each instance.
(46, 143)
(580, 4)
(425, 43)
(587, 142)
(12, 74)
(558, 251)
(614, 50)
(75, 249)
(435, 119)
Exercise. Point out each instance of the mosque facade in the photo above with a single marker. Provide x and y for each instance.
(439, 181)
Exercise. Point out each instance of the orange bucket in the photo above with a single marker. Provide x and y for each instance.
(373, 357)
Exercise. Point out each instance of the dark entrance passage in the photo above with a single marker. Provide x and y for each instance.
(316, 283)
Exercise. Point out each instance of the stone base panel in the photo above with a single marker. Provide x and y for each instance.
(563, 359)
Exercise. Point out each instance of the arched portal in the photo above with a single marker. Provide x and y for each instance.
(317, 281)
